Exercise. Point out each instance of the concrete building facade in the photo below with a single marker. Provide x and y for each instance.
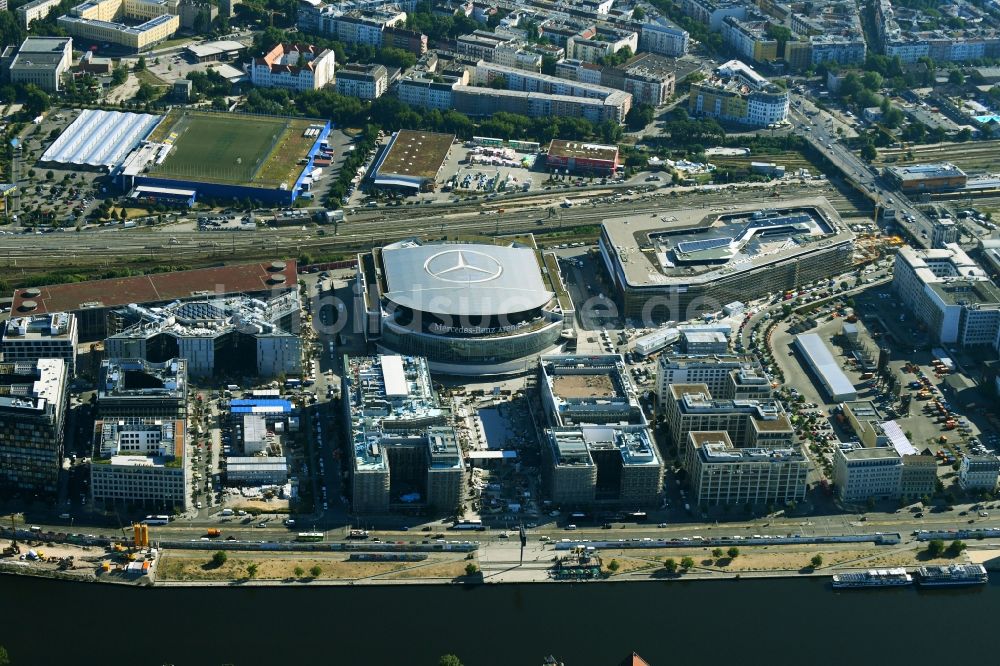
(32, 422)
(35, 337)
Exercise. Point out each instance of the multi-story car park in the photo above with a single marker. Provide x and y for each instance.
(673, 266)
(41, 336)
(403, 453)
(950, 293)
(32, 420)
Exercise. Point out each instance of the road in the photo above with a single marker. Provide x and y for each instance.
(816, 127)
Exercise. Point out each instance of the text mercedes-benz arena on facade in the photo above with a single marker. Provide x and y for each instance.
(469, 308)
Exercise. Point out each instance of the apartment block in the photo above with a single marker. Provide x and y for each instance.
(720, 473)
(750, 39)
(32, 422)
(36, 9)
(649, 78)
(34, 337)
(979, 473)
(293, 67)
(140, 461)
(499, 47)
(362, 81)
(664, 38)
(712, 12)
(739, 95)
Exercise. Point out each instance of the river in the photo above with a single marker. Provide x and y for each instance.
(765, 622)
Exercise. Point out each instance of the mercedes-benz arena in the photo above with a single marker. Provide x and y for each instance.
(470, 309)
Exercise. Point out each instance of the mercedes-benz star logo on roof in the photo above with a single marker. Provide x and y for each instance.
(463, 266)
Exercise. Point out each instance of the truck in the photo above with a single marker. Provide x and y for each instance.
(213, 532)
(226, 512)
(316, 174)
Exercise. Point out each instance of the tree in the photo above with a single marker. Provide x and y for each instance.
(4, 657)
(613, 566)
(549, 65)
(118, 75)
(716, 553)
(639, 116)
(956, 547)
(315, 570)
(449, 660)
(955, 77)
(670, 564)
(935, 548)
(36, 101)
(471, 569)
(639, 14)
(252, 570)
(686, 563)
(299, 571)
(868, 152)
(140, 64)
(816, 561)
(733, 552)
(202, 21)
(219, 558)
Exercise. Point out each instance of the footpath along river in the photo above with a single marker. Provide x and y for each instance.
(750, 622)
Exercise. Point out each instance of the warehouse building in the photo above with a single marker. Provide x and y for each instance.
(32, 421)
(580, 157)
(94, 301)
(404, 454)
(140, 461)
(917, 178)
(594, 390)
(234, 337)
(602, 466)
(99, 140)
(41, 336)
(679, 264)
(722, 474)
(411, 161)
(949, 292)
(817, 356)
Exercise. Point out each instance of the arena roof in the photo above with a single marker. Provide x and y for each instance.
(159, 287)
(464, 279)
(100, 138)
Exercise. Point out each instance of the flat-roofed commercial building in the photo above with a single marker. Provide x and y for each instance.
(862, 473)
(94, 301)
(750, 423)
(916, 178)
(727, 376)
(685, 262)
(140, 461)
(32, 421)
(402, 451)
(866, 421)
(979, 473)
(256, 470)
(950, 293)
(42, 61)
(602, 465)
(137, 388)
(581, 389)
(41, 336)
(581, 157)
(825, 368)
(720, 473)
(233, 336)
(412, 161)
